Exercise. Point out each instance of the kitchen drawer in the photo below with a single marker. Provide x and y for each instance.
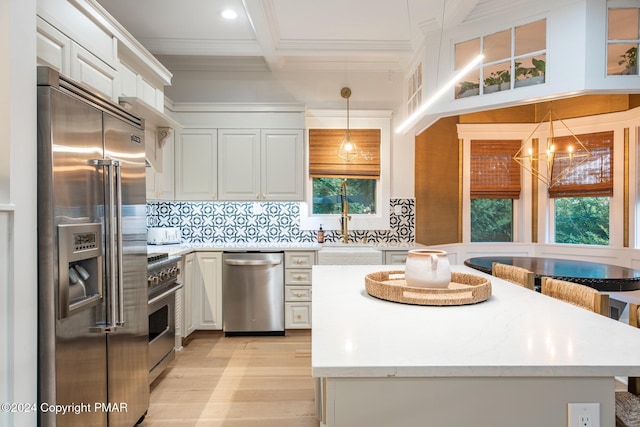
(297, 293)
(297, 277)
(299, 259)
(297, 315)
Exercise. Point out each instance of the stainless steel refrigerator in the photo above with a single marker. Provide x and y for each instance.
(93, 324)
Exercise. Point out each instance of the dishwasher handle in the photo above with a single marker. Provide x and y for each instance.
(252, 262)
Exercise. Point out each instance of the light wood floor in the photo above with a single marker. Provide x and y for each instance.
(236, 381)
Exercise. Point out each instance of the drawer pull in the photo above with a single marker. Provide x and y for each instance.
(299, 294)
(298, 277)
(298, 261)
(298, 316)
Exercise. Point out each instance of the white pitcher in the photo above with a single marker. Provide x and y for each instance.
(427, 268)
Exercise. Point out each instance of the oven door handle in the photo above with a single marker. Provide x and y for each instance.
(165, 293)
(251, 262)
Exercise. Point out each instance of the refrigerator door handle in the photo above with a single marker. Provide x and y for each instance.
(120, 266)
(111, 267)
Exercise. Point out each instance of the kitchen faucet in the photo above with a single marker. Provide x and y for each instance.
(344, 214)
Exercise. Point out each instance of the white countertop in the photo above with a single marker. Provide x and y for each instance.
(516, 332)
(185, 248)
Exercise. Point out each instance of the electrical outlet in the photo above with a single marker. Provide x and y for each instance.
(584, 415)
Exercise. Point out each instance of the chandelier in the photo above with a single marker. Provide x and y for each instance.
(559, 158)
(348, 149)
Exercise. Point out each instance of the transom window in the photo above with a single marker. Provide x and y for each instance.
(623, 37)
(513, 58)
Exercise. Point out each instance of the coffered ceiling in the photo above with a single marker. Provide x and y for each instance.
(275, 35)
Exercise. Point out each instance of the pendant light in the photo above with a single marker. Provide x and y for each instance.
(558, 160)
(348, 149)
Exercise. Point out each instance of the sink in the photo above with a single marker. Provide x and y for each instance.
(349, 254)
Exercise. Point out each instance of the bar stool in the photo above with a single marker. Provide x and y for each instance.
(511, 273)
(576, 294)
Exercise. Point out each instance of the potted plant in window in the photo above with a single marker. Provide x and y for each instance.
(468, 89)
(630, 61)
(496, 81)
(527, 76)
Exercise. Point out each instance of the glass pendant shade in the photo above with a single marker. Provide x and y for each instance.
(348, 149)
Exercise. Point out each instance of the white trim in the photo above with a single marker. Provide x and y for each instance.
(240, 107)
(7, 207)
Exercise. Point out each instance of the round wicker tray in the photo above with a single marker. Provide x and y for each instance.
(463, 289)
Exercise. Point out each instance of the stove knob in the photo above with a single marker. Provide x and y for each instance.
(152, 281)
(163, 275)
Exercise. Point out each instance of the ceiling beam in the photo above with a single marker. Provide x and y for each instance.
(261, 14)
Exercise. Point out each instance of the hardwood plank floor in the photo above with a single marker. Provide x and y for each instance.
(236, 381)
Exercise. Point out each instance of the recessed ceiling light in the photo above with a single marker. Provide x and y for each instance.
(229, 14)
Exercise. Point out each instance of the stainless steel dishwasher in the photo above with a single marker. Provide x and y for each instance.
(253, 293)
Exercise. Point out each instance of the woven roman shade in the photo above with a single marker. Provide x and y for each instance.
(593, 177)
(323, 154)
(494, 173)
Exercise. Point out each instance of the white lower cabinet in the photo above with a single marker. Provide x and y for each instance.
(202, 280)
(297, 294)
(208, 291)
(188, 278)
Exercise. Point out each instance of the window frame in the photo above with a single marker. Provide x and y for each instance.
(620, 4)
(511, 60)
(358, 119)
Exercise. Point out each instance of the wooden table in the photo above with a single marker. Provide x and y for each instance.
(603, 277)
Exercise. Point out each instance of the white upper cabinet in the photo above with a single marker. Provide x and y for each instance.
(282, 165)
(196, 160)
(239, 164)
(260, 164)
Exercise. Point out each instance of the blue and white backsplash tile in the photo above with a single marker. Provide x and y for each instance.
(262, 222)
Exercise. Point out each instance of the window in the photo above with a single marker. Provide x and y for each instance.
(622, 41)
(495, 182)
(581, 197)
(492, 220)
(361, 195)
(513, 58)
(582, 220)
(327, 171)
(414, 89)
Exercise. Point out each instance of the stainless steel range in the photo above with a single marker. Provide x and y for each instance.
(162, 281)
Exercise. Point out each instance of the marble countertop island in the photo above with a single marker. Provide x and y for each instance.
(519, 349)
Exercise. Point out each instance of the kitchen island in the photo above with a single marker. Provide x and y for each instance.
(516, 359)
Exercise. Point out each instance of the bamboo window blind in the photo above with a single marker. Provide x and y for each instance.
(593, 177)
(494, 173)
(323, 154)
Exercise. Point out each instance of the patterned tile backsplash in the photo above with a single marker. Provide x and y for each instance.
(248, 222)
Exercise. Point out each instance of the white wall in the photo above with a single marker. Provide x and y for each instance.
(18, 279)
